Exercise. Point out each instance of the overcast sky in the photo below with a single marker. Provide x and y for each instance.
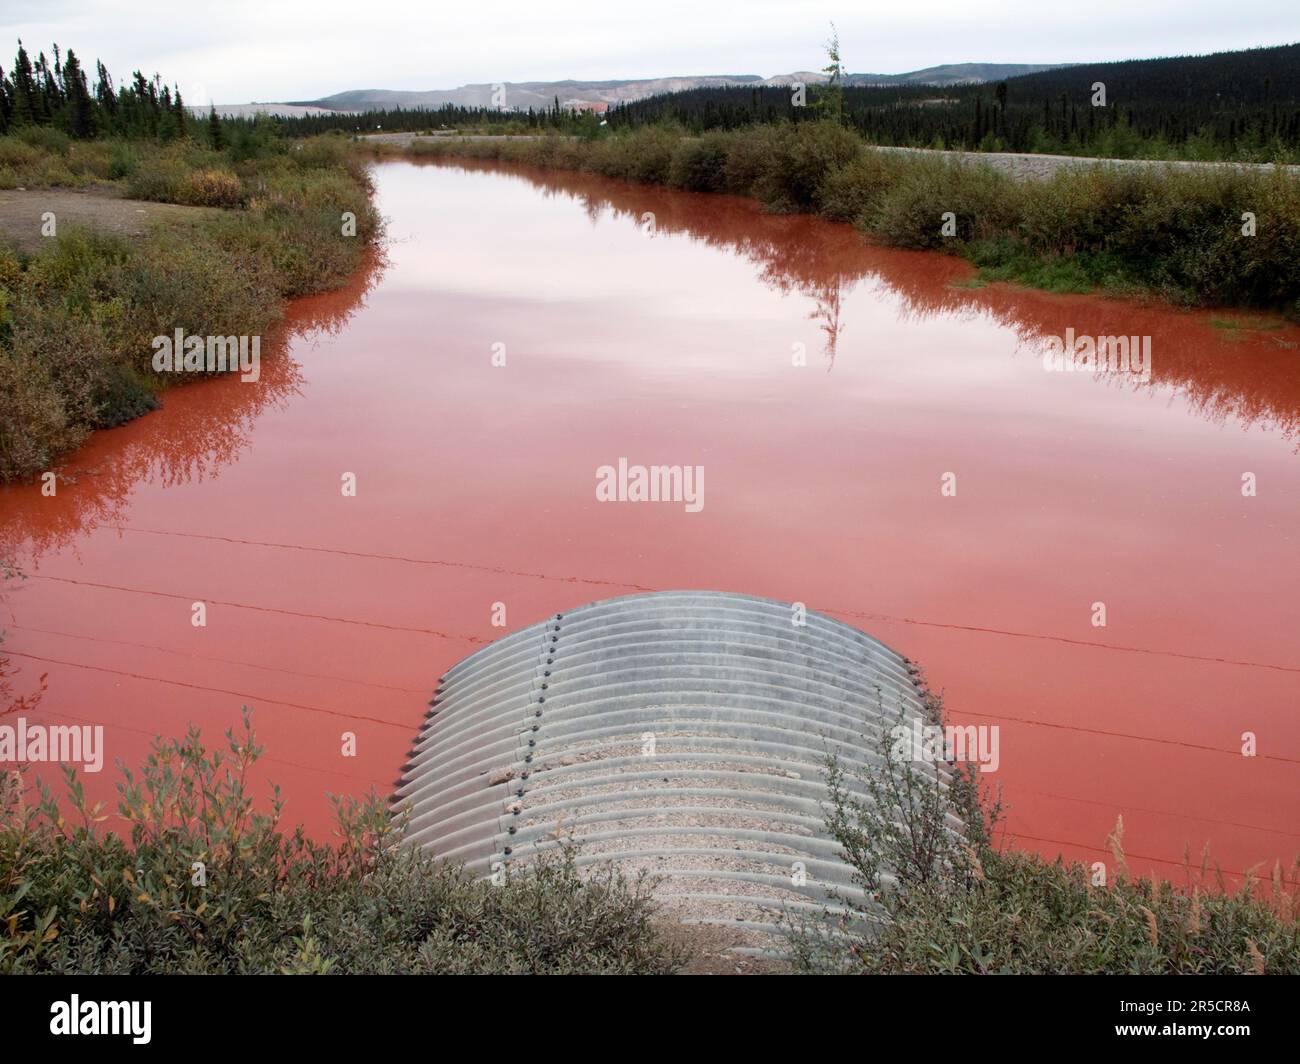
(236, 51)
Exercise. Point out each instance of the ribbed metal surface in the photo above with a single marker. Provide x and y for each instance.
(545, 733)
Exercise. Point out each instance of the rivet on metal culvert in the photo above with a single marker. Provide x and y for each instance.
(538, 713)
(545, 685)
(546, 673)
(549, 661)
(536, 726)
(507, 851)
(555, 639)
(532, 742)
(511, 829)
(528, 758)
(519, 793)
(523, 776)
(541, 698)
(559, 616)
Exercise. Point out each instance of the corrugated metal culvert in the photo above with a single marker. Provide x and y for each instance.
(681, 732)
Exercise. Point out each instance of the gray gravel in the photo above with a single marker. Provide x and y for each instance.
(1042, 166)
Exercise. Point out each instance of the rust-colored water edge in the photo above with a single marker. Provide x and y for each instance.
(879, 440)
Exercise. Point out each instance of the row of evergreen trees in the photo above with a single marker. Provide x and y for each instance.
(57, 93)
(1231, 100)
(448, 116)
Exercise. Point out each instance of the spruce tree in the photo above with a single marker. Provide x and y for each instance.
(80, 110)
(105, 96)
(215, 138)
(178, 109)
(24, 112)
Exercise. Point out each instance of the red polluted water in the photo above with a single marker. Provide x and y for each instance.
(829, 390)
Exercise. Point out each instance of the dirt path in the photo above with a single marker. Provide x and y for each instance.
(22, 211)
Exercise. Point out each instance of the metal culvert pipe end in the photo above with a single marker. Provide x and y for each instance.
(680, 733)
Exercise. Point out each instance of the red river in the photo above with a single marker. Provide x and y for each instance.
(668, 328)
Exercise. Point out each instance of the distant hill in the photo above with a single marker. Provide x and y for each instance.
(1243, 104)
(1250, 76)
(954, 74)
(521, 95)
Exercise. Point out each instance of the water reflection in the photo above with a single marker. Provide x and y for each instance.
(201, 428)
(1225, 373)
(476, 489)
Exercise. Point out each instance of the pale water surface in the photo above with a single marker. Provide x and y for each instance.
(675, 344)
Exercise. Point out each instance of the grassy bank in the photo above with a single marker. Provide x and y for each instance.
(187, 878)
(960, 904)
(1175, 233)
(77, 317)
(192, 880)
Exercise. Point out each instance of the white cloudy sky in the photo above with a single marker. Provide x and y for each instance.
(234, 51)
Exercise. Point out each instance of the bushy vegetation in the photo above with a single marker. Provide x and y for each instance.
(78, 317)
(187, 878)
(1173, 231)
(944, 902)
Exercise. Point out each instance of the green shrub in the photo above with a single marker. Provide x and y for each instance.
(76, 898)
(645, 154)
(27, 161)
(802, 155)
(1176, 229)
(748, 158)
(322, 153)
(11, 275)
(700, 163)
(910, 213)
(1007, 259)
(69, 347)
(123, 161)
(945, 901)
(1078, 209)
(853, 191)
(76, 259)
(184, 279)
(121, 396)
(158, 180)
(34, 426)
(17, 154)
(210, 188)
(46, 139)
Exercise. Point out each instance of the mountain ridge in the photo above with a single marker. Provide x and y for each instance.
(521, 95)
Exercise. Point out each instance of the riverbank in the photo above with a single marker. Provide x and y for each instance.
(1203, 235)
(86, 890)
(89, 280)
(329, 613)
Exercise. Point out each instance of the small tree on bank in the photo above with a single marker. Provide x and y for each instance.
(215, 137)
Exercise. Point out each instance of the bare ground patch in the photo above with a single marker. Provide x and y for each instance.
(22, 211)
